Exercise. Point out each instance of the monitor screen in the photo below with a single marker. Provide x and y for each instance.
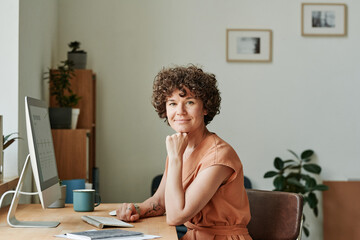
(41, 150)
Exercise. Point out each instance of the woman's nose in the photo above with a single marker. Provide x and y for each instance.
(181, 109)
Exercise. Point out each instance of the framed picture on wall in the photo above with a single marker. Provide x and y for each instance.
(323, 19)
(248, 45)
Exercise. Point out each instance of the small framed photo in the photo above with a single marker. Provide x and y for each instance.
(323, 19)
(248, 45)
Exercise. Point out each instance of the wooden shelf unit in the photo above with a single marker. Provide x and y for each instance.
(69, 144)
(72, 153)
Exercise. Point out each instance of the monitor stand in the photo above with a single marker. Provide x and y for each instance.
(12, 221)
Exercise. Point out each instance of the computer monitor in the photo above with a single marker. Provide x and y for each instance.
(42, 159)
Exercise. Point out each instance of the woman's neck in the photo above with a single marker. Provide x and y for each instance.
(195, 138)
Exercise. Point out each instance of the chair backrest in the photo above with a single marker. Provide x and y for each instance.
(247, 183)
(274, 215)
(155, 183)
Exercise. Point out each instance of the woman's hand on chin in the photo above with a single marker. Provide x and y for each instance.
(176, 145)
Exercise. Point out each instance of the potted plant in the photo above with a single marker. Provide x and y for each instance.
(66, 99)
(6, 141)
(292, 176)
(77, 56)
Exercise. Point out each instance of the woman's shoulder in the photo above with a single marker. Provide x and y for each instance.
(220, 150)
(217, 142)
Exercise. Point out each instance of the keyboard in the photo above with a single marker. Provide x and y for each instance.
(101, 222)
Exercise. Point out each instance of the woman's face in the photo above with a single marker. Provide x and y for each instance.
(185, 114)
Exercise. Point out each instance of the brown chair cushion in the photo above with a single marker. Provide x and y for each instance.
(274, 215)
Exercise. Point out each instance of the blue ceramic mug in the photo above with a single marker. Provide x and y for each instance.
(84, 200)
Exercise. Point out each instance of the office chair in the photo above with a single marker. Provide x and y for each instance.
(247, 183)
(274, 215)
(155, 183)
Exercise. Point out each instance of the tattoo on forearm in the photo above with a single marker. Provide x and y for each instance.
(154, 210)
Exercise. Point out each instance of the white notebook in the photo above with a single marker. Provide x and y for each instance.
(101, 222)
(104, 234)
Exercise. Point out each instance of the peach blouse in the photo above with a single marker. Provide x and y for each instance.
(227, 213)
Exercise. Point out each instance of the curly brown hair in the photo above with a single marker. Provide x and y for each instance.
(202, 85)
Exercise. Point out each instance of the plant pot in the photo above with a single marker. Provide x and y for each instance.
(60, 118)
(74, 117)
(78, 58)
(60, 203)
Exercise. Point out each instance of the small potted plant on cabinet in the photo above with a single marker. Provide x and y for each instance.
(65, 115)
(78, 57)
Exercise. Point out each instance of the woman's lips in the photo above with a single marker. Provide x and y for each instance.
(182, 120)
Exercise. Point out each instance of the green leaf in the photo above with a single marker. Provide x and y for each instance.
(310, 183)
(5, 138)
(295, 182)
(294, 174)
(313, 168)
(312, 200)
(279, 183)
(8, 140)
(278, 163)
(307, 154)
(293, 153)
(316, 211)
(8, 143)
(305, 176)
(321, 187)
(306, 231)
(270, 174)
(290, 160)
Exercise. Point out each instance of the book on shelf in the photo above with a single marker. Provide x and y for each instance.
(103, 234)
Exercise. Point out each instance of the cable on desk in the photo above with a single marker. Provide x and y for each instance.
(13, 191)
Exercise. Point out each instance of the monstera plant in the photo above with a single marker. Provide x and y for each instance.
(296, 175)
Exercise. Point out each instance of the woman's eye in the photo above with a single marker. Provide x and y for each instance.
(190, 102)
(172, 104)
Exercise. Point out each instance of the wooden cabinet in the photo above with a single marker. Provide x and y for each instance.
(75, 148)
(341, 210)
(72, 153)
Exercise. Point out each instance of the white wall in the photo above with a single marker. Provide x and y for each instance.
(36, 51)
(28, 48)
(305, 98)
(9, 81)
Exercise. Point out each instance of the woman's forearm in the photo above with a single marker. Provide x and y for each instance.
(174, 193)
(151, 207)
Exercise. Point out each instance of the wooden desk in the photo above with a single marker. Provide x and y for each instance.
(70, 221)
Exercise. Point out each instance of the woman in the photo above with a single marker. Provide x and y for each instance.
(202, 186)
